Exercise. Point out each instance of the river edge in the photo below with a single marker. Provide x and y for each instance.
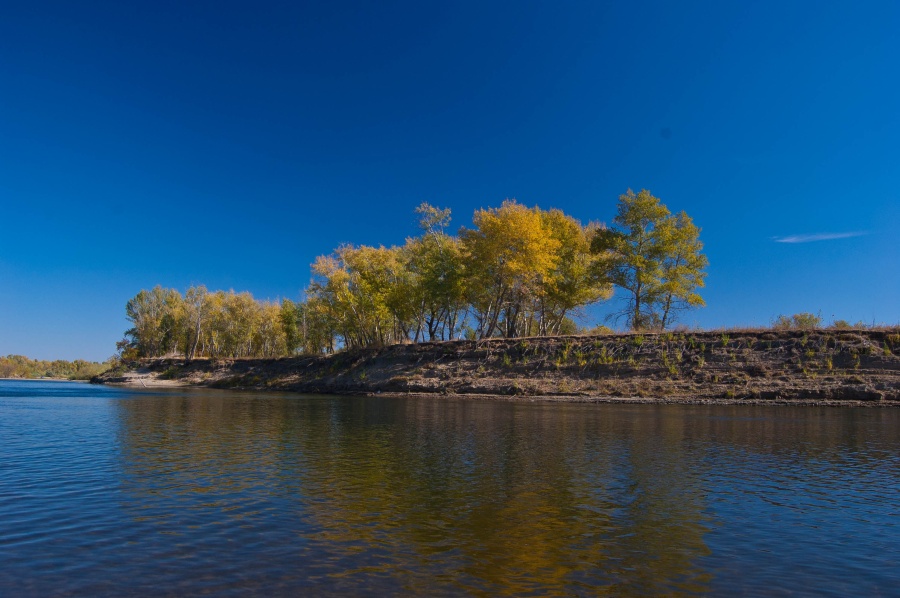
(816, 367)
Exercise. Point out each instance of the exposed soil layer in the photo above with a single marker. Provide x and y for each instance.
(817, 367)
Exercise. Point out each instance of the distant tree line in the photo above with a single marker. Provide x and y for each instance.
(211, 324)
(19, 366)
(519, 271)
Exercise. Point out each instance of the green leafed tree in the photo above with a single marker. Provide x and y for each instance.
(436, 262)
(655, 257)
(154, 316)
(291, 316)
(683, 268)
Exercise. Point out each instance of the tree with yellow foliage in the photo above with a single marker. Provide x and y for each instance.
(578, 277)
(508, 257)
(368, 293)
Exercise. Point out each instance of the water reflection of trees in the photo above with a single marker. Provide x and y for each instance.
(462, 495)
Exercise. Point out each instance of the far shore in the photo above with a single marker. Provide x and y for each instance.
(46, 380)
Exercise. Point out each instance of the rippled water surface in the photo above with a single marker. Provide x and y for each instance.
(114, 492)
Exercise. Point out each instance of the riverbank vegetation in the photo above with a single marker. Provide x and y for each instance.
(19, 366)
(821, 366)
(517, 272)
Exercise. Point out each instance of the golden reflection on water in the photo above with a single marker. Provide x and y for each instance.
(482, 497)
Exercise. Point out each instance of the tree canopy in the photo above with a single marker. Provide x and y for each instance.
(655, 257)
(518, 271)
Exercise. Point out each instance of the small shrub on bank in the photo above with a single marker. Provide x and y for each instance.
(597, 330)
(800, 321)
(170, 373)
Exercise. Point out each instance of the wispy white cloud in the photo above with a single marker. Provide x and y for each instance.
(818, 237)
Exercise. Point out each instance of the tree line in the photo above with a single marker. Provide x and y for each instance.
(19, 366)
(518, 271)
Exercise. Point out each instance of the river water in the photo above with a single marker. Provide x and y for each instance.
(111, 492)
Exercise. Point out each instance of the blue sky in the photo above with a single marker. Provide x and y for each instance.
(230, 143)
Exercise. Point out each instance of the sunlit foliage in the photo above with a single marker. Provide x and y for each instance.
(509, 256)
(519, 271)
(655, 257)
(200, 323)
(435, 260)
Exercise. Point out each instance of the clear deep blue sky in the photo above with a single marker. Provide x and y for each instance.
(230, 143)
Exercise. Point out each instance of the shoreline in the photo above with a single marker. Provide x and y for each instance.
(815, 367)
(545, 399)
(607, 400)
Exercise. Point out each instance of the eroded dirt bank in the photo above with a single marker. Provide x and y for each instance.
(860, 367)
